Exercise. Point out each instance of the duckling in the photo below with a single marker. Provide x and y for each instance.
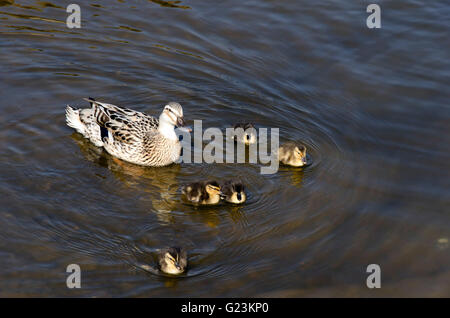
(249, 136)
(172, 260)
(233, 192)
(292, 155)
(203, 193)
(131, 135)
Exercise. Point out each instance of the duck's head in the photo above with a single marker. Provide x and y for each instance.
(173, 115)
(173, 260)
(300, 155)
(292, 154)
(213, 188)
(235, 193)
(249, 136)
(193, 192)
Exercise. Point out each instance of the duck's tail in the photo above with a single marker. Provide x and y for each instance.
(73, 119)
(91, 101)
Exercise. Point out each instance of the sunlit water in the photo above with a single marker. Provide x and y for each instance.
(370, 105)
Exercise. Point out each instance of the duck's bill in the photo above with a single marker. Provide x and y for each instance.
(185, 129)
(180, 122)
(306, 161)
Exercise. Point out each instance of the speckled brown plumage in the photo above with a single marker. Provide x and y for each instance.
(126, 134)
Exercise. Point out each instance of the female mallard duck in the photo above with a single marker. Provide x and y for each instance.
(172, 260)
(130, 135)
(203, 193)
(292, 155)
(249, 136)
(233, 192)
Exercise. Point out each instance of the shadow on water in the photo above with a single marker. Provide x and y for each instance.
(160, 184)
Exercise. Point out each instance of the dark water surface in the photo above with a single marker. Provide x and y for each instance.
(371, 106)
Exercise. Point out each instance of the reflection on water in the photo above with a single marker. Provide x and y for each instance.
(170, 4)
(159, 183)
(31, 17)
(370, 106)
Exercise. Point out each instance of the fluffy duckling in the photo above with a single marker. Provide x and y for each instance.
(172, 260)
(233, 192)
(249, 136)
(202, 193)
(292, 155)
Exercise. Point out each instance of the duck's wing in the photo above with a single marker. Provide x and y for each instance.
(124, 125)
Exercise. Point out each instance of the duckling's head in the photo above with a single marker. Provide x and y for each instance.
(293, 155)
(172, 260)
(300, 152)
(172, 115)
(212, 188)
(234, 193)
(249, 135)
(193, 192)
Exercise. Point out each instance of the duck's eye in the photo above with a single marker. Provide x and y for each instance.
(248, 137)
